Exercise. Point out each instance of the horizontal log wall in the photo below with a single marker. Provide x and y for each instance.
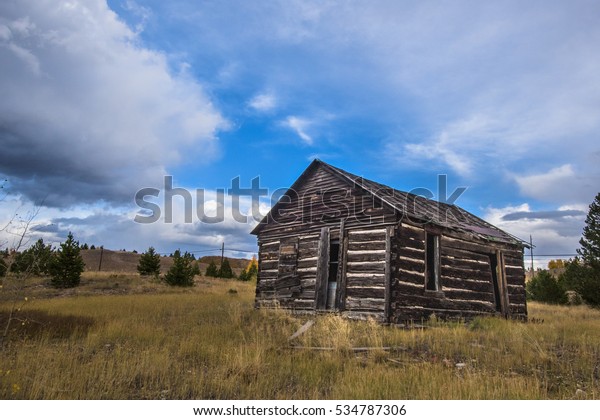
(365, 273)
(515, 280)
(287, 279)
(268, 269)
(465, 276)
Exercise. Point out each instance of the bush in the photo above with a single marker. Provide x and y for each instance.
(3, 267)
(212, 270)
(225, 270)
(583, 279)
(149, 264)
(181, 272)
(543, 287)
(33, 261)
(67, 265)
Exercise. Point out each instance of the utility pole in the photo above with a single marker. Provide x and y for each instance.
(101, 252)
(531, 252)
(222, 253)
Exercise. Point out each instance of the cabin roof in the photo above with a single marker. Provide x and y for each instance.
(417, 208)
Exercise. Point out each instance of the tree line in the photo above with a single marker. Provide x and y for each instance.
(184, 268)
(581, 275)
(65, 265)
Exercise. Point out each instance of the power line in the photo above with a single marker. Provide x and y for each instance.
(556, 255)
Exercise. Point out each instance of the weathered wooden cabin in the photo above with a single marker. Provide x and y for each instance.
(338, 242)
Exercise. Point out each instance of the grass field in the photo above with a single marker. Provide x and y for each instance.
(123, 337)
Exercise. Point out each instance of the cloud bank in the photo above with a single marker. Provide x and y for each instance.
(87, 113)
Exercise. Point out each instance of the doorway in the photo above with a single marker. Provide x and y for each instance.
(332, 273)
(499, 282)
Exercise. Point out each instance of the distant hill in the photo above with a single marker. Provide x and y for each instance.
(126, 262)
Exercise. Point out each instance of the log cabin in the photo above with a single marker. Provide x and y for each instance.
(337, 242)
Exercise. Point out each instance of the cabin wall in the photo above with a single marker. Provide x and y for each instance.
(366, 273)
(286, 273)
(323, 200)
(288, 267)
(382, 274)
(467, 288)
(515, 277)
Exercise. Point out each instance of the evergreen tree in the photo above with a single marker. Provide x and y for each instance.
(67, 265)
(3, 267)
(93, 246)
(149, 264)
(225, 270)
(583, 279)
(85, 246)
(211, 270)
(196, 268)
(543, 287)
(181, 272)
(590, 242)
(251, 270)
(35, 260)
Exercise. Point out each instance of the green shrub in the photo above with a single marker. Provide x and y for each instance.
(181, 272)
(67, 265)
(225, 270)
(212, 270)
(3, 267)
(33, 261)
(543, 287)
(149, 264)
(583, 279)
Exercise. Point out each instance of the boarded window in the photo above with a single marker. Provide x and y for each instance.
(432, 255)
(288, 256)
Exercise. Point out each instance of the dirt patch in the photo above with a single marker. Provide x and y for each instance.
(27, 324)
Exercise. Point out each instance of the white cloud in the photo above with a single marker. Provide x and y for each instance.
(551, 236)
(263, 102)
(560, 184)
(300, 126)
(115, 227)
(88, 113)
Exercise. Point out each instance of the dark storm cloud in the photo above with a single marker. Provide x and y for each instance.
(87, 114)
(547, 215)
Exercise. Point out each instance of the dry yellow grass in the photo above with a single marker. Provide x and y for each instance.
(208, 342)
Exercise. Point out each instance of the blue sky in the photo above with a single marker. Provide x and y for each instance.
(102, 99)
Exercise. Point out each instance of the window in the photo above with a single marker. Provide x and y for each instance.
(432, 266)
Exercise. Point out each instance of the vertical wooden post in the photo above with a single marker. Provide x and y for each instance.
(502, 283)
(389, 232)
(322, 270)
(340, 295)
(531, 253)
(222, 253)
(100, 263)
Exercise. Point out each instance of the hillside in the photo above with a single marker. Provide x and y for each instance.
(126, 262)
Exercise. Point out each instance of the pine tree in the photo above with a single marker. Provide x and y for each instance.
(149, 264)
(211, 270)
(34, 261)
(181, 272)
(250, 271)
(225, 270)
(590, 241)
(67, 265)
(3, 267)
(252, 268)
(543, 287)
